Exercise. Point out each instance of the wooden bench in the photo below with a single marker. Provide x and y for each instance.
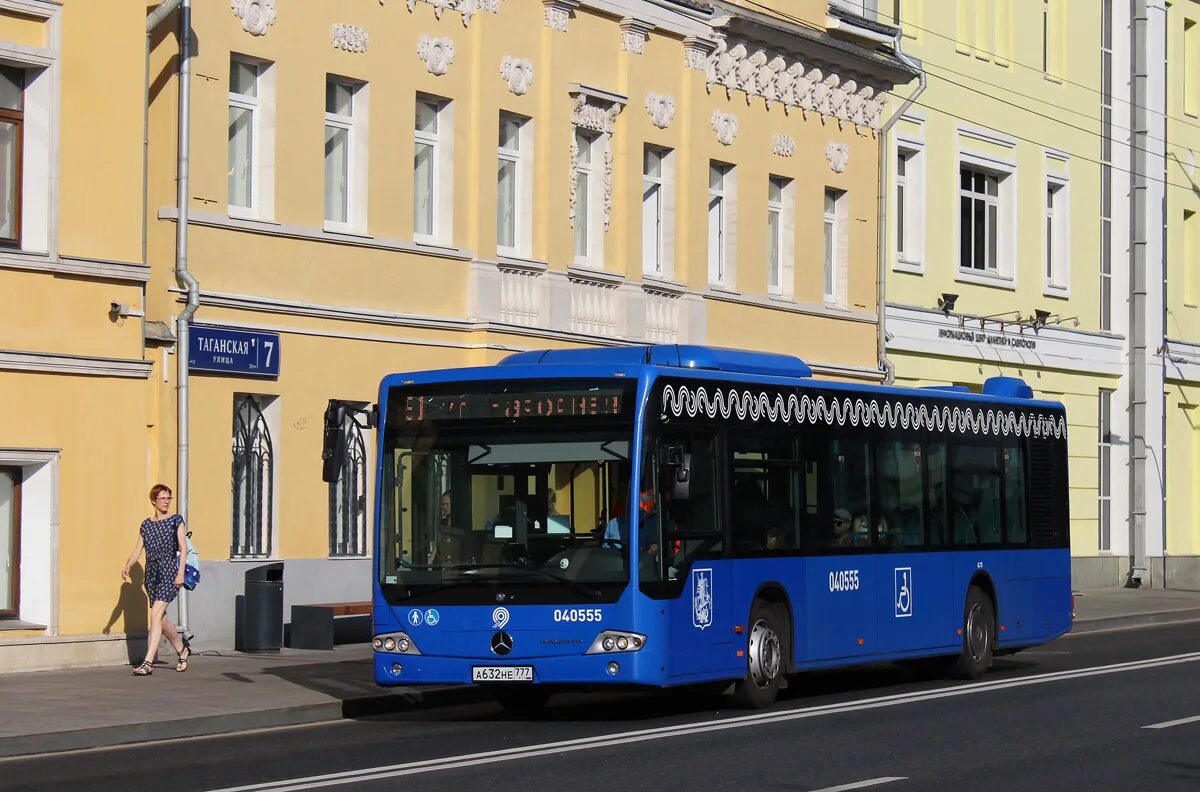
(315, 626)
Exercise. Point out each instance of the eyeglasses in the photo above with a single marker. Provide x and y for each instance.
(163, 497)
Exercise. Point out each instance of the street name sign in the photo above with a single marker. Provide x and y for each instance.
(229, 351)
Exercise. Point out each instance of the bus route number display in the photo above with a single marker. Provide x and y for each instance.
(514, 406)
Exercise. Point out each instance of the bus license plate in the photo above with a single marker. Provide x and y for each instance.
(502, 673)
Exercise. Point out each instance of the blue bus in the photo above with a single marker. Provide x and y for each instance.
(675, 515)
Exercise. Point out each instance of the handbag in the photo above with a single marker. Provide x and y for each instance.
(191, 568)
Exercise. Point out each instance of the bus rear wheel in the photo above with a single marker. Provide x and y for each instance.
(523, 698)
(765, 657)
(979, 630)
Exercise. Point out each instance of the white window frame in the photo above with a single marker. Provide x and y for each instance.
(658, 215)
(835, 246)
(42, 109)
(785, 228)
(356, 156)
(1004, 274)
(910, 256)
(262, 146)
(722, 238)
(442, 142)
(1104, 463)
(1056, 272)
(522, 157)
(589, 222)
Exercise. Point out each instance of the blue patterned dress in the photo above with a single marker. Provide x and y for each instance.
(160, 538)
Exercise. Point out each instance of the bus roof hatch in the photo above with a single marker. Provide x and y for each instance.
(1012, 387)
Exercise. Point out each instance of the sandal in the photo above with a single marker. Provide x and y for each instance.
(145, 669)
(181, 666)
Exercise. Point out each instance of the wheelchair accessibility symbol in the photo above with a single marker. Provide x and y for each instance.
(904, 595)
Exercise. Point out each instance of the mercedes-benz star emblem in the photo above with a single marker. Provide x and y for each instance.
(502, 643)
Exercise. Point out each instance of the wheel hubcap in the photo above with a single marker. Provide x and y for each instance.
(977, 633)
(764, 654)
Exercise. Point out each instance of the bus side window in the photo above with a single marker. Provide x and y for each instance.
(853, 483)
(975, 492)
(689, 514)
(901, 493)
(936, 467)
(1014, 496)
(763, 484)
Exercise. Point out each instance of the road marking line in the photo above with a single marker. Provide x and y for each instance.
(863, 784)
(723, 724)
(1169, 724)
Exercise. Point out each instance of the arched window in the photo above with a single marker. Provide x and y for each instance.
(348, 495)
(253, 478)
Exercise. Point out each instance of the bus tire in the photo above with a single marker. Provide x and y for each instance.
(979, 631)
(522, 698)
(764, 657)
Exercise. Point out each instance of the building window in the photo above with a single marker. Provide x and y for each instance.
(1058, 239)
(12, 122)
(339, 154)
(1104, 459)
(10, 541)
(1191, 67)
(587, 246)
(348, 494)
(910, 205)
(835, 246)
(721, 196)
(253, 477)
(780, 230)
(432, 178)
(1191, 258)
(979, 221)
(243, 133)
(512, 208)
(653, 189)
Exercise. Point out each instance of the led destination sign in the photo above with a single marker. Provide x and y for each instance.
(556, 404)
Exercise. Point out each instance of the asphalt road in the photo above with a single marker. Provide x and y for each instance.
(1069, 716)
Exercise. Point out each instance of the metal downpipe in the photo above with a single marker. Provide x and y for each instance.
(185, 278)
(885, 364)
(1139, 42)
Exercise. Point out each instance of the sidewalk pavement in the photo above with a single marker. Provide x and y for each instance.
(227, 691)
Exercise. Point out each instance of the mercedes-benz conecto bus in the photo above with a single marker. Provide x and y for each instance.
(671, 515)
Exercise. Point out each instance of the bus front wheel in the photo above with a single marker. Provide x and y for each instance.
(979, 630)
(765, 657)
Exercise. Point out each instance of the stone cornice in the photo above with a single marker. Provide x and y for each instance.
(57, 363)
(98, 269)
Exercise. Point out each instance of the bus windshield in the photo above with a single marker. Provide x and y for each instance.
(474, 499)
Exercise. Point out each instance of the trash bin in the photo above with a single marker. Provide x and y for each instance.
(262, 623)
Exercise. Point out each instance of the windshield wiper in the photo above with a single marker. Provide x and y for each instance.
(574, 585)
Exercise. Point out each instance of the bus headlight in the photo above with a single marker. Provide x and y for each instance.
(612, 641)
(395, 643)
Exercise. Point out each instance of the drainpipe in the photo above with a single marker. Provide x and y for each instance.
(1139, 40)
(885, 364)
(185, 278)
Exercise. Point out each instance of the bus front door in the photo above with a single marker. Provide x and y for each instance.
(698, 624)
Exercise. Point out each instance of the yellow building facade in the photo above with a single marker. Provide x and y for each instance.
(374, 187)
(1025, 239)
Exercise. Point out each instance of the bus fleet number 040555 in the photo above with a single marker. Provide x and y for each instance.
(843, 580)
(578, 615)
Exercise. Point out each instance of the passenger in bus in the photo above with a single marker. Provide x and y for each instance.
(842, 524)
(774, 539)
(448, 540)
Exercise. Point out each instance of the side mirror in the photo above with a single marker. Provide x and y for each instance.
(333, 450)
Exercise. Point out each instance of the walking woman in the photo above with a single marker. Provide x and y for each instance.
(163, 537)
